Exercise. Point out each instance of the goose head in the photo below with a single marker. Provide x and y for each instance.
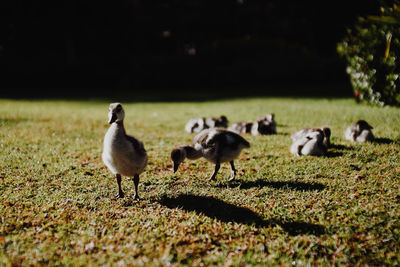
(317, 135)
(115, 113)
(327, 133)
(178, 155)
(363, 125)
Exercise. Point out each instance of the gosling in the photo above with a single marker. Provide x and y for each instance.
(196, 125)
(264, 125)
(122, 154)
(304, 132)
(216, 145)
(221, 122)
(241, 127)
(309, 144)
(359, 132)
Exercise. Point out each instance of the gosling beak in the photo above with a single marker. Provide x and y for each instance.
(176, 166)
(112, 119)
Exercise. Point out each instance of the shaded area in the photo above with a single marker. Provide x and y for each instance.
(189, 94)
(384, 141)
(341, 147)
(225, 212)
(333, 154)
(136, 44)
(301, 186)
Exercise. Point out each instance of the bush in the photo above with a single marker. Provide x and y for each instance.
(371, 51)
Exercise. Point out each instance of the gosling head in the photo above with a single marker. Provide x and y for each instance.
(318, 134)
(115, 113)
(327, 133)
(363, 125)
(178, 155)
(271, 116)
(222, 121)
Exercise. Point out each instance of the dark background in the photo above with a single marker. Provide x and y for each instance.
(138, 46)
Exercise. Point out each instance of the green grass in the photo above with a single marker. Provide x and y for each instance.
(58, 206)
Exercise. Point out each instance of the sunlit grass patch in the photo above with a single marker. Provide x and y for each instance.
(58, 206)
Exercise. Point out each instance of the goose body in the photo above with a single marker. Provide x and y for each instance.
(326, 131)
(216, 145)
(241, 127)
(197, 125)
(221, 122)
(359, 132)
(122, 154)
(310, 143)
(264, 125)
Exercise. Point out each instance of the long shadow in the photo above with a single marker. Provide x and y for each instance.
(383, 141)
(333, 154)
(225, 212)
(301, 186)
(341, 147)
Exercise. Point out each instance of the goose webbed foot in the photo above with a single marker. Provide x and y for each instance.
(120, 192)
(136, 182)
(215, 172)
(233, 171)
(120, 195)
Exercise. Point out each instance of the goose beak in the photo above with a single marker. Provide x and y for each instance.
(112, 119)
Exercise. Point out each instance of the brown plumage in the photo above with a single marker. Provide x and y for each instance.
(122, 154)
(215, 145)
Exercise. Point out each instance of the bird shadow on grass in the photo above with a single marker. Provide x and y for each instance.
(333, 154)
(225, 212)
(341, 147)
(383, 141)
(301, 186)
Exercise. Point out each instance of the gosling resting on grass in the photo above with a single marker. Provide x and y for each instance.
(122, 154)
(309, 143)
(197, 125)
(359, 132)
(215, 145)
(241, 127)
(326, 131)
(264, 125)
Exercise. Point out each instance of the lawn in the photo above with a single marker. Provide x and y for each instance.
(58, 206)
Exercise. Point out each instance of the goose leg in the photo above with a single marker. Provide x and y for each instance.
(120, 193)
(233, 171)
(136, 181)
(217, 165)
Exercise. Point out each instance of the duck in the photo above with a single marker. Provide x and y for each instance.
(310, 143)
(303, 132)
(264, 125)
(196, 125)
(124, 155)
(215, 145)
(241, 127)
(359, 132)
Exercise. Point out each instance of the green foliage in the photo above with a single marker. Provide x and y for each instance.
(372, 53)
(57, 203)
